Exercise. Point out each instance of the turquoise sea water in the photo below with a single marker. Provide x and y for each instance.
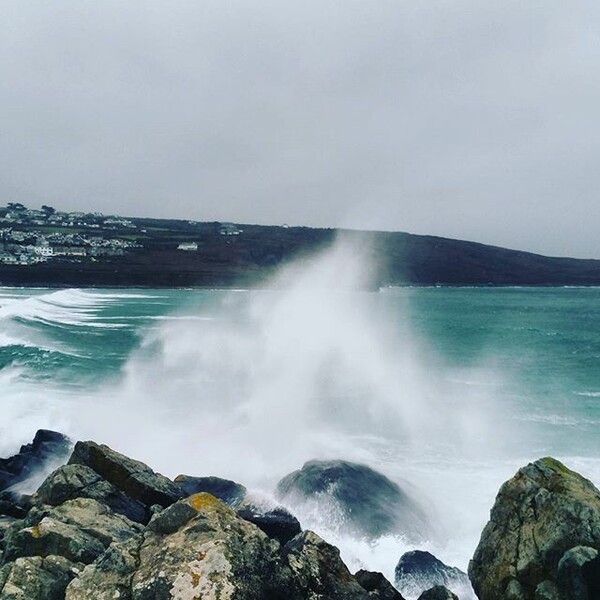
(447, 390)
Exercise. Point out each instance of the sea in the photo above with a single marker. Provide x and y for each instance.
(447, 391)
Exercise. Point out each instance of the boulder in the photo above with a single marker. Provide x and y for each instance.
(318, 571)
(418, 571)
(365, 502)
(196, 548)
(13, 504)
(227, 491)
(48, 450)
(278, 523)
(438, 592)
(37, 578)
(79, 530)
(79, 481)
(377, 585)
(134, 478)
(528, 550)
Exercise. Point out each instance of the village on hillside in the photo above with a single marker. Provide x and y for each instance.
(33, 236)
(30, 236)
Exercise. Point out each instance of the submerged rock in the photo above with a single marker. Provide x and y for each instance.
(47, 451)
(227, 491)
(531, 547)
(365, 502)
(418, 570)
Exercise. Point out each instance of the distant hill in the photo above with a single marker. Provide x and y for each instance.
(95, 250)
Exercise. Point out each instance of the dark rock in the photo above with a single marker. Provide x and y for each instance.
(318, 571)
(37, 578)
(418, 570)
(134, 478)
(368, 503)
(278, 523)
(377, 585)
(438, 592)
(227, 491)
(79, 530)
(13, 504)
(591, 575)
(570, 573)
(542, 513)
(47, 451)
(79, 481)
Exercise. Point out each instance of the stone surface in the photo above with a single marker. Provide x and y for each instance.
(227, 491)
(278, 523)
(438, 592)
(37, 578)
(79, 481)
(365, 502)
(47, 451)
(134, 478)
(318, 571)
(79, 530)
(377, 585)
(418, 571)
(540, 514)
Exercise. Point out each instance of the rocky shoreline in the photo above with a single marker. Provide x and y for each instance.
(104, 526)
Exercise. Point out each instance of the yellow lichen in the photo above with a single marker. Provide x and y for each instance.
(36, 532)
(203, 500)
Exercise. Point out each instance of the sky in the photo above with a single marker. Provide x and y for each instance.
(469, 119)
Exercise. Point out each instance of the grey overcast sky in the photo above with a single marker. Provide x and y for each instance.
(474, 119)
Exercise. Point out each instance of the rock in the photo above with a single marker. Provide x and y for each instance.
(418, 570)
(365, 502)
(318, 571)
(79, 481)
(438, 592)
(134, 478)
(196, 548)
(79, 530)
(48, 450)
(570, 575)
(377, 585)
(227, 491)
(37, 578)
(13, 504)
(539, 515)
(278, 523)
(591, 575)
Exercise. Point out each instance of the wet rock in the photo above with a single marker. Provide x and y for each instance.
(438, 592)
(366, 502)
(318, 571)
(134, 478)
(418, 570)
(377, 585)
(539, 515)
(79, 481)
(570, 573)
(79, 530)
(13, 504)
(48, 450)
(37, 578)
(278, 523)
(227, 491)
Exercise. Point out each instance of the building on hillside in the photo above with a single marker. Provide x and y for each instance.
(189, 246)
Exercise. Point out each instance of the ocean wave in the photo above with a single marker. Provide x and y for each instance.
(588, 394)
